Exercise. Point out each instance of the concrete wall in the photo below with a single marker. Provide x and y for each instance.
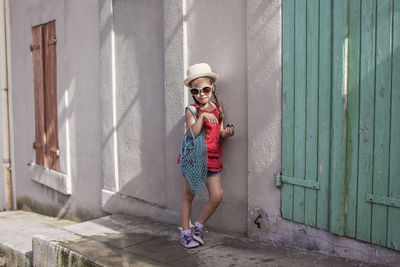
(217, 35)
(264, 102)
(152, 48)
(78, 105)
(135, 107)
(138, 27)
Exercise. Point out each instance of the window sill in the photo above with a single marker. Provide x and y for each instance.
(50, 178)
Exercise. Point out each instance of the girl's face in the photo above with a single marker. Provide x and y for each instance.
(202, 82)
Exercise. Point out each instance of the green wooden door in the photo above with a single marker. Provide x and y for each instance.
(341, 117)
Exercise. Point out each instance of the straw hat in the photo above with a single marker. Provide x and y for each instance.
(199, 70)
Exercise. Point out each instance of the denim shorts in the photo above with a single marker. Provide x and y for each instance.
(209, 174)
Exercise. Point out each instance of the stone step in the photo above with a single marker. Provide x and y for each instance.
(101, 242)
(17, 229)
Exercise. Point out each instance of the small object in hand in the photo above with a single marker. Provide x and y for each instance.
(230, 125)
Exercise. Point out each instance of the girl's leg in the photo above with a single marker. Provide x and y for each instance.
(215, 192)
(186, 206)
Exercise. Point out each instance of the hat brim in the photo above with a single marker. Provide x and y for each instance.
(198, 75)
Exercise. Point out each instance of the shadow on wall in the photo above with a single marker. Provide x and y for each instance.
(140, 105)
(140, 100)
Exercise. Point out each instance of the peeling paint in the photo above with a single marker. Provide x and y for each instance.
(382, 92)
(257, 221)
(366, 135)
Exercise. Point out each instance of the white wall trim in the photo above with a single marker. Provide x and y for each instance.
(53, 179)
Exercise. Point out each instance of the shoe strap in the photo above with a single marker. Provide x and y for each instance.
(187, 238)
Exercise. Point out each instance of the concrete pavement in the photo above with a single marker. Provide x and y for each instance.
(121, 240)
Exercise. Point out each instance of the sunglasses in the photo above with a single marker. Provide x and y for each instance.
(197, 91)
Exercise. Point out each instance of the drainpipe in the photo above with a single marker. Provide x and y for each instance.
(6, 124)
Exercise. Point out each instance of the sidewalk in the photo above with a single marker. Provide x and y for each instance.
(121, 240)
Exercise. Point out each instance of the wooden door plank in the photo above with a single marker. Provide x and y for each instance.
(51, 95)
(311, 110)
(300, 107)
(382, 118)
(338, 130)
(287, 106)
(38, 85)
(324, 112)
(352, 118)
(393, 233)
(367, 96)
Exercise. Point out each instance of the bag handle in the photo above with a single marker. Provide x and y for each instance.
(194, 115)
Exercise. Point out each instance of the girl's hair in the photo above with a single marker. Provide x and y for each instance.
(217, 102)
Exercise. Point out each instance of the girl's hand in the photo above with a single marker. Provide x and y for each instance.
(228, 131)
(210, 117)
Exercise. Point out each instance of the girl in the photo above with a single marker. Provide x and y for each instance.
(201, 82)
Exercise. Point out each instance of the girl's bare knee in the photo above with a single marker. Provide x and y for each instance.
(188, 196)
(216, 197)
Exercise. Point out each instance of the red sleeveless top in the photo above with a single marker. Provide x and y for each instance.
(214, 146)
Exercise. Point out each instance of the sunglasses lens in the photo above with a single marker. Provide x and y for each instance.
(194, 91)
(206, 90)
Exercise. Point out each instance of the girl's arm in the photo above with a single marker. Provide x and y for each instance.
(197, 126)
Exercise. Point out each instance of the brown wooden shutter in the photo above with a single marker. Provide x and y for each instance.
(51, 122)
(38, 84)
(45, 85)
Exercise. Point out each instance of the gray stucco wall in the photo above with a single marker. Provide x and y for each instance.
(264, 102)
(217, 35)
(78, 105)
(140, 98)
(150, 101)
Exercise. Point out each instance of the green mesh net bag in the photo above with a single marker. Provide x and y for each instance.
(194, 159)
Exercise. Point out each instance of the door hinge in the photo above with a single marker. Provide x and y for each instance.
(33, 47)
(54, 42)
(381, 200)
(279, 179)
(36, 145)
(54, 150)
